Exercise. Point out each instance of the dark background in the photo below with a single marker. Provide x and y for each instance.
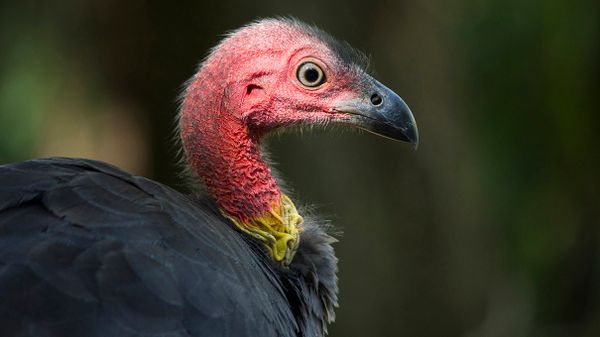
(491, 228)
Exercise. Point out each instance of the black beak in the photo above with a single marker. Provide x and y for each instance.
(382, 112)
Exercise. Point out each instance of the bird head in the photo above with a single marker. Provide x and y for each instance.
(279, 73)
(270, 75)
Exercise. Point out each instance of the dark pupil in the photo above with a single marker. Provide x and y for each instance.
(311, 75)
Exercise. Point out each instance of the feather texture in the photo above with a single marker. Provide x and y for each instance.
(89, 250)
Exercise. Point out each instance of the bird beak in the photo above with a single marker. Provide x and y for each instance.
(382, 112)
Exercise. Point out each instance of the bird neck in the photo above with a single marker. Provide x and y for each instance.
(226, 155)
(229, 162)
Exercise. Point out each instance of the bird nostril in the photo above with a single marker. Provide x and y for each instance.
(376, 99)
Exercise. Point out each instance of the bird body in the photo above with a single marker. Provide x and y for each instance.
(87, 249)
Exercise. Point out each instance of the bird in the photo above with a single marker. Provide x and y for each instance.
(88, 249)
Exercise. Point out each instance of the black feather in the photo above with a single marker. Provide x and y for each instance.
(89, 250)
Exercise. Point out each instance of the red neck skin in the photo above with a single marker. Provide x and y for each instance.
(221, 148)
(242, 91)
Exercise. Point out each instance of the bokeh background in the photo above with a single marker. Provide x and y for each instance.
(491, 228)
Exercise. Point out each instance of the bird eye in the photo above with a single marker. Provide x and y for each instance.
(310, 75)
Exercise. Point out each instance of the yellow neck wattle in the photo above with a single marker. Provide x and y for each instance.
(279, 229)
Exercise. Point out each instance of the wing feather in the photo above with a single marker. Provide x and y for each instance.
(89, 250)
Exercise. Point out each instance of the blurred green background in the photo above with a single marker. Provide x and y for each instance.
(491, 228)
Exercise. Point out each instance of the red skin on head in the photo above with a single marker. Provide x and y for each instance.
(246, 88)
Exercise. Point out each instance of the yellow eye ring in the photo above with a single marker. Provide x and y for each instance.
(310, 75)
